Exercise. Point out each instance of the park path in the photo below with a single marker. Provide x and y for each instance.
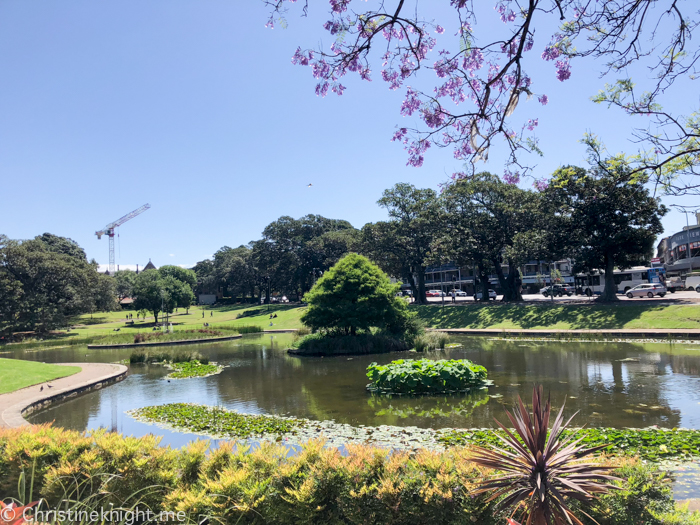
(92, 376)
(625, 333)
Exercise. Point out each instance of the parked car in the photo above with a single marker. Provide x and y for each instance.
(435, 293)
(674, 285)
(558, 290)
(647, 290)
(492, 295)
(693, 282)
(458, 293)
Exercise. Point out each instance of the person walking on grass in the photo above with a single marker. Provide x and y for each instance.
(202, 315)
(454, 296)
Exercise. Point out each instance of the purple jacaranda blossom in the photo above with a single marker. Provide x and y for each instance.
(333, 26)
(543, 99)
(553, 51)
(433, 117)
(338, 88)
(400, 135)
(415, 153)
(322, 88)
(510, 177)
(563, 69)
(411, 103)
(531, 124)
(392, 77)
(439, 30)
(541, 184)
(339, 6)
(474, 61)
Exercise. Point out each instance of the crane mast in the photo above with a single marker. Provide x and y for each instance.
(109, 231)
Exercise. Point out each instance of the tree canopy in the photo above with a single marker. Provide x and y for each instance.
(162, 291)
(45, 281)
(608, 217)
(354, 296)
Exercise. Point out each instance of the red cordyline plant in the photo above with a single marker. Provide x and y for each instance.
(541, 471)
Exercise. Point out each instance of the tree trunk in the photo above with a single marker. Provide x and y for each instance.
(509, 284)
(155, 315)
(610, 290)
(484, 281)
(420, 296)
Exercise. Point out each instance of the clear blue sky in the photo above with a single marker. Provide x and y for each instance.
(195, 108)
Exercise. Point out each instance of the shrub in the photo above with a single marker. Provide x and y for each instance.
(317, 485)
(193, 368)
(424, 376)
(143, 356)
(354, 296)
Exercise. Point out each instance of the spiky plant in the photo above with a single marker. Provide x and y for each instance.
(542, 470)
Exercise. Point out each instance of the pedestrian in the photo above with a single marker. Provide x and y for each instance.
(202, 315)
(454, 296)
(211, 314)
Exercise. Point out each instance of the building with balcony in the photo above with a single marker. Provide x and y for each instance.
(679, 253)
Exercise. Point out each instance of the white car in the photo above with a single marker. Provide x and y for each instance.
(646, 290)
(459, 293)
(492, 295)
(693, 282)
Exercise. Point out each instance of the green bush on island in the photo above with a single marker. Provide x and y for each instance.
(355, 299)
(425, 376)
(194, 368)
(230, 484)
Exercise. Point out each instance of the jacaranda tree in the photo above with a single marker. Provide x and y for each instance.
(480, 74)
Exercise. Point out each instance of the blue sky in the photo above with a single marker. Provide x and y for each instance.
(195, 108)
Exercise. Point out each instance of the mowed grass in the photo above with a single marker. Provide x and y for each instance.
(561, 317)
(218, 317)
(16, 374)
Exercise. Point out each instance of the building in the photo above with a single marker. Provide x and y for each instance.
(534, 275)
(679, 253)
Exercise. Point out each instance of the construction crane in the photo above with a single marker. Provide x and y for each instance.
(109, 230)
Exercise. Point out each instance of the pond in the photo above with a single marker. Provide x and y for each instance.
(610, 384)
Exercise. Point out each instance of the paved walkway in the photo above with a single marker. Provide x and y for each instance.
(92, 376)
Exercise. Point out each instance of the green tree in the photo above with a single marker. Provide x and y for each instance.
(45, 281)
(354, 296)
(415, 214)
(485, 220)
(158, 291)
(181, 274)
(611, 219)
(124, 283)
(380, 242)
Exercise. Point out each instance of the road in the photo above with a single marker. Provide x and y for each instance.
(670, 298)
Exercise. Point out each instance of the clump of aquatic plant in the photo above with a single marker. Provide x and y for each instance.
(194, 368)
(541, 471)
(148, 356)
(425, 376)
(431, 341)
(215, 420)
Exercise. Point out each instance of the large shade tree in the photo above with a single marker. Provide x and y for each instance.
(161, 291)
(46, 281)
(414, 215)
(467, 77)
(608, 216)
(482, 221)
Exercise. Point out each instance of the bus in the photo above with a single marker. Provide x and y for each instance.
(593, 284)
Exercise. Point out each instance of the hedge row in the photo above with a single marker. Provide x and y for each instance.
(264, 486)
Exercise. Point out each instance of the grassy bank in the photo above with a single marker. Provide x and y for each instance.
(561, 317)
(16, 374)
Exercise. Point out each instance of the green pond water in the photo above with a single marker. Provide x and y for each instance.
(610, 384)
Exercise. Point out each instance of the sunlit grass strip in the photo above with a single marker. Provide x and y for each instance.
(194, 369)
(651, 444)
(215, 421)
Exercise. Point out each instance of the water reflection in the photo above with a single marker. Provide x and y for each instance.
(616, 385)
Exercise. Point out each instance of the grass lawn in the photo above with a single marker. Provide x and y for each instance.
(16, 374)
(561, 317)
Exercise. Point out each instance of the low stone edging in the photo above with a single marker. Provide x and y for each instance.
(26, 403)
(167, 343)
(671, 333)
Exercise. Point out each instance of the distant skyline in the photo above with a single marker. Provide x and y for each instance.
(196, 109)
